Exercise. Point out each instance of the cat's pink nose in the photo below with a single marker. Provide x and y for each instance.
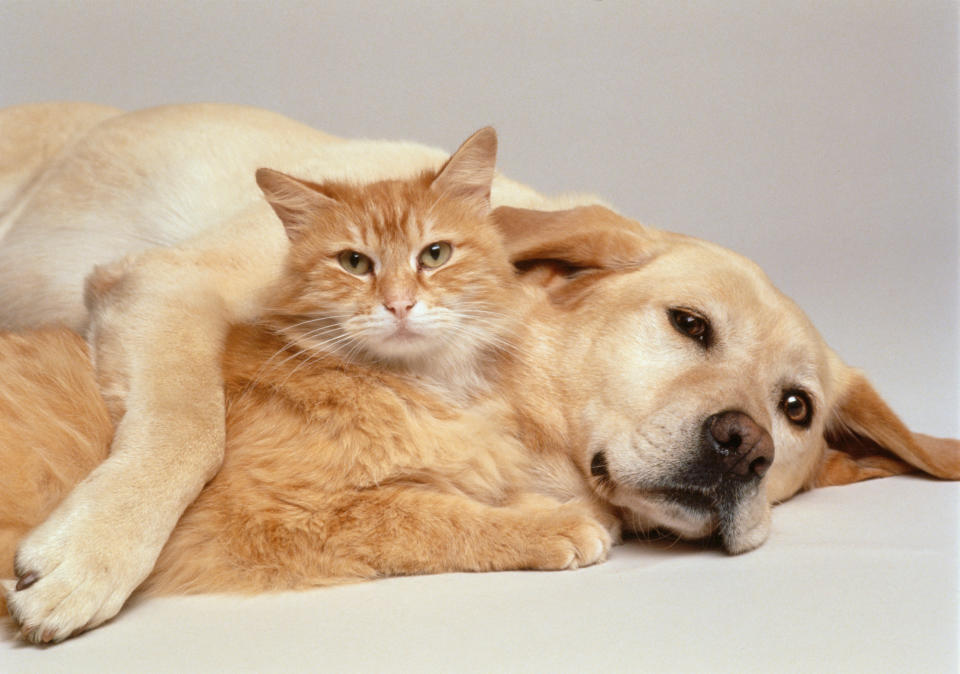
(400, 308)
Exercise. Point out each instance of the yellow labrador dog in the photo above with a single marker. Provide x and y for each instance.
(666, 381)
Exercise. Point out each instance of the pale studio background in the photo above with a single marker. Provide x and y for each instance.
(819, 138)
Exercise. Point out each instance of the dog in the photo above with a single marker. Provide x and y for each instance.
(671, 385)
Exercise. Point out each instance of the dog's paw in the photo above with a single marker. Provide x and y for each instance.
(569, 538)
(70, 579)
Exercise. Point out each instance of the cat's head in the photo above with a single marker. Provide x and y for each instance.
(400, 272)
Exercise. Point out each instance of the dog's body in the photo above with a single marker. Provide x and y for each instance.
(659, 378)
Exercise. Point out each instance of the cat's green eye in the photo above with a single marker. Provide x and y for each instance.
(435, 254)
(355, 263)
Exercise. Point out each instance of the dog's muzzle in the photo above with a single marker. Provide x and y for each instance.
(734, 448)
(720, 478)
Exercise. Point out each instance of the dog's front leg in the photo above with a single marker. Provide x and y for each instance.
(157, 331)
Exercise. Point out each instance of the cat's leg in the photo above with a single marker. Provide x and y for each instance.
(369, 534)
(411, 530)
(158, 326)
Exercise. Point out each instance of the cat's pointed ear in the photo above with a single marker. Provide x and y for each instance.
(296, 202)
(468, 173)
(865, 439)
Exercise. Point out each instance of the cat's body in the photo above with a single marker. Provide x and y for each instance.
(363, 435)
(54, 428)
(333, 471)
(339, 471)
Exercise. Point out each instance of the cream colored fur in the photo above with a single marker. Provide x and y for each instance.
(166, 199)
(207, 245)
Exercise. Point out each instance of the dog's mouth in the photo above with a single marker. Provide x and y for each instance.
(732, 513)
(599, 468)
(694, 501)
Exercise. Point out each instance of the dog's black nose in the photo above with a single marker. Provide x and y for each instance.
(741, 447)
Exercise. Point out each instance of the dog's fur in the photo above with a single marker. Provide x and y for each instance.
(612, 400)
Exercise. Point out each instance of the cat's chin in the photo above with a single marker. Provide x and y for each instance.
(403, 347)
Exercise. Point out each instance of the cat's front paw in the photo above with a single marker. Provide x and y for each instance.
(71, 578)
(569, 538)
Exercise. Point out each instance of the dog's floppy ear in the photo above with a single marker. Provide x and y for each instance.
(586, 237)
(865, 439)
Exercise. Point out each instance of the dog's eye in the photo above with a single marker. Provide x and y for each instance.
(797, 407)
(692, 325)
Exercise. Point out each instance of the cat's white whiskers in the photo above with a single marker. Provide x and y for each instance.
(358, 347)
(309, 321)
(317, 350)
(309, 359)
(491, 338)
(483, 341)
(331, 344)
(318, 332)
(297, 342)
(266, 366)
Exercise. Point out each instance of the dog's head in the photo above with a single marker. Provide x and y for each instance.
(702, 394)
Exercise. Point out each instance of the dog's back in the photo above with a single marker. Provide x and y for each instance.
(30, 136)
(54, 428)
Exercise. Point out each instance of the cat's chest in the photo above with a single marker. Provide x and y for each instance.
(355, 432)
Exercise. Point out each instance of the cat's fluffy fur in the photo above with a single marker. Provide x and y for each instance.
(341, 462)
(54, 424)
(333, 472)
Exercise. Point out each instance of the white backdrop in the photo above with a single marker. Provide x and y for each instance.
(819, 138)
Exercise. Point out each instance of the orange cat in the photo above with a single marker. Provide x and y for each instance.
(361, 437)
